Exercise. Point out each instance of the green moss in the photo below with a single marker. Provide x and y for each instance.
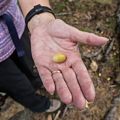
(84, 7)
(111, 23)
(59, 7)
(104, 1)
(86, 29)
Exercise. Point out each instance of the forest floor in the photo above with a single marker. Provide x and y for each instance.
(99, 17)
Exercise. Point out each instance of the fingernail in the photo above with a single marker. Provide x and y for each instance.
(106, 39)
(51, 89)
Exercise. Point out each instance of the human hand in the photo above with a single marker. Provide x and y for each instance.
(73, 83)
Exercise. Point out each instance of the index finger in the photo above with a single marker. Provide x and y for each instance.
(86, 38)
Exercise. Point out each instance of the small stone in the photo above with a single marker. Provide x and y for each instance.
(115, 54)
(108, 79)
(114, 48)
(94, 66)
(70, 0)
(99, 74)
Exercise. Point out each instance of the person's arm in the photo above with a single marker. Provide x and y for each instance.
(50, 36)
(27, 5)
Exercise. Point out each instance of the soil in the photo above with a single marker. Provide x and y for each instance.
(97, 16)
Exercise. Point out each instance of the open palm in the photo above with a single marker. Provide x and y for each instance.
(73, 83)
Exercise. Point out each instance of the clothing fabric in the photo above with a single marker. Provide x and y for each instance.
(6, 45)
(17, 85)
(8, 19)
(16, 79)
(19, 82)
(4, 5)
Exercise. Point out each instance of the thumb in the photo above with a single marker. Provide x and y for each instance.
(86, 38)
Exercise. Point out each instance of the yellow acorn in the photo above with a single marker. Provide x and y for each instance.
(59, 58)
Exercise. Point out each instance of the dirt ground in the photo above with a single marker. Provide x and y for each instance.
(97, 16)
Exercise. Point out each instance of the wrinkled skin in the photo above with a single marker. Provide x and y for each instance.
(73, 84)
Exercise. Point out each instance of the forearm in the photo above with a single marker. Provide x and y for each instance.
(27, 5)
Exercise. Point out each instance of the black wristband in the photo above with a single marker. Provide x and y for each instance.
(38, 9)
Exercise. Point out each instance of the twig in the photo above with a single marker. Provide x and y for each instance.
(64, 112)
(104, 51)
(63, 14)
(65, 109)
(93, 54)
(109, 48)
(57, 115)
(111, 114)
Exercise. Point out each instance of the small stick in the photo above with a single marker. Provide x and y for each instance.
(93, 54)
(64, 111)
(57, 115)
(110, 46)
(63, 14)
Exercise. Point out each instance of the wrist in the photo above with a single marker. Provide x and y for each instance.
(40, 20)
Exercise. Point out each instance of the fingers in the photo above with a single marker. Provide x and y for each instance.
(62, 88)
(71, 81)
(47, 79)
(84, 80)
(85, 37)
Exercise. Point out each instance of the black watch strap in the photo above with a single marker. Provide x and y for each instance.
(38, 9)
